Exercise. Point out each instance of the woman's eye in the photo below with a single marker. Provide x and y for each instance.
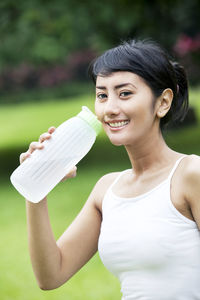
(125, 94)
(101, 96)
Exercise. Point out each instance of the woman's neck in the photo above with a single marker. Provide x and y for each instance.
(152, 153)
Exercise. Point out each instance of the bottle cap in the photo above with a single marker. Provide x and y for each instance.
(90, 118)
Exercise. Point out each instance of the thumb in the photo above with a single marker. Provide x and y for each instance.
(70, 174)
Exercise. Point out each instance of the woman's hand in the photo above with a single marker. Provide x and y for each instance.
(39, 145)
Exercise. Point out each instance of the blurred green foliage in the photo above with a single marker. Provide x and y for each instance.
(48, 43)
(45, 32)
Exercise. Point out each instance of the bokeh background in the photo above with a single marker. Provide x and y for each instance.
(45, 49)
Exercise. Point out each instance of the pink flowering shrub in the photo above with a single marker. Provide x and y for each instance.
(188, 51)
(26, 75)
(187, 45)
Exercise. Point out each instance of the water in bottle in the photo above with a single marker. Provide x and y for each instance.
(45, 168)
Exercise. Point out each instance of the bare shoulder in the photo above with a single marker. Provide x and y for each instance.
(101, 187)
(191, 167)
(191, 176)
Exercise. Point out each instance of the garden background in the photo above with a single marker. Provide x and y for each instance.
(45, 50)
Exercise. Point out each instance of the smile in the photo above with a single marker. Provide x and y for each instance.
(118, 124)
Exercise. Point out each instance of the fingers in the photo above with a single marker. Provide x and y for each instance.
(71, 174)
(37, 145)
(24, 156)
(51, 129)
(44, 136)
(47, 135)
(32, 147)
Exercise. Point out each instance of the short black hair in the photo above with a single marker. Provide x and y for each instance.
(151, 62)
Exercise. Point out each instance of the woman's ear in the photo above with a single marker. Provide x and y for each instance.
(164, 102)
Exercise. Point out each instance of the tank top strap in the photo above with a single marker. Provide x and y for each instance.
(175, 166)
(169, 176)
(117, 178)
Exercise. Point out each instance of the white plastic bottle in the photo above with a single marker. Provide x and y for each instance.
(70, 142)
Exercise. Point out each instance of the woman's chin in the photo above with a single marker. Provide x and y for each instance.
(117, 142)
(118, 138)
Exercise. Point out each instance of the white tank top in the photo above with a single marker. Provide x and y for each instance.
(150, 246)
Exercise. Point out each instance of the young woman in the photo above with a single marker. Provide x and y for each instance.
(144, 221)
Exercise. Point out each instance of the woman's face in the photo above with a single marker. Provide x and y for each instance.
(124, 105)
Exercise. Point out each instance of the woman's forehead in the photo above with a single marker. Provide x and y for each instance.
(120, 77)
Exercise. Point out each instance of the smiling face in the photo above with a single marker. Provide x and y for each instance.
(124, 105)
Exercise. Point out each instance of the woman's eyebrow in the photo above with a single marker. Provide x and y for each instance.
(116, 87)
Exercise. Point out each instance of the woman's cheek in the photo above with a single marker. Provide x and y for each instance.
(99, 112)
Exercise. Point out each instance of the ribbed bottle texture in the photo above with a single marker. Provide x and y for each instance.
(40, 173)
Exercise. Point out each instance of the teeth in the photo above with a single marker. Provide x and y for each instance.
(118, 124)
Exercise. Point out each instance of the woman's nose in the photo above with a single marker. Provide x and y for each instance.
(111, 107)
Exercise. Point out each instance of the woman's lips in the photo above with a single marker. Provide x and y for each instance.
(117, 124)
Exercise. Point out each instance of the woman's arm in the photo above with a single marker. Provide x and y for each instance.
(191, 185)
(55, 262)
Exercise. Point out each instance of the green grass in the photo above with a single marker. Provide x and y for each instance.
(194, 98)
(16, 276)
(22, 123)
